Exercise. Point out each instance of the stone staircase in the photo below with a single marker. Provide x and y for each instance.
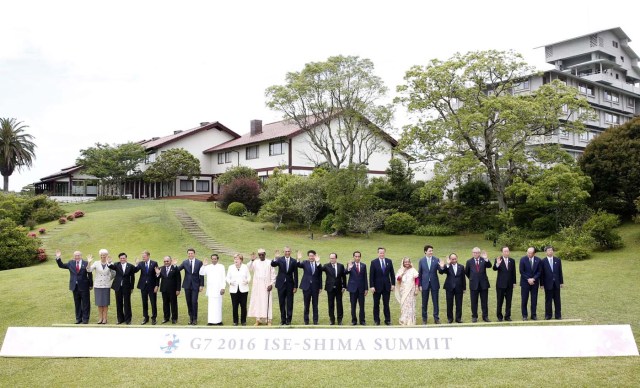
(191, 226)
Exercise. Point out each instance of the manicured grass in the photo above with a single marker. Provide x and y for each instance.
(602, 290)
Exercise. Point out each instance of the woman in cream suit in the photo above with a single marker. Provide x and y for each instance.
(101, 283)
(238, 278)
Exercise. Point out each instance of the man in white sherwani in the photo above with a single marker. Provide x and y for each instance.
(264, 278)
(216, 283)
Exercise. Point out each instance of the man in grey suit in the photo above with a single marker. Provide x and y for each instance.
(428, 282)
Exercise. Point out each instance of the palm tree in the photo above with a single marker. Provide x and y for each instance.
(16, 148)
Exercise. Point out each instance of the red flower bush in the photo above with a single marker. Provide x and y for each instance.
(42, 231)
(31, 234)
(62, 220)
(42, 255)
(71, 217)
(78, 214)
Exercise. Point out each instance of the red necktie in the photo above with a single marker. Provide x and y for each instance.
(77, 266)
(477, 266)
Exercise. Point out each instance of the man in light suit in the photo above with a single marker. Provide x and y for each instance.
(382, 280)
(148, 285)
(123, 285)
(552, 281)
(455, 285)
(192, 284)
(286, 284)
(80, 283)
(335, 283)
(170, 279)
(428, 282)
(476, 271)
(529, 282)
(505, 282)
(311, 284)
(357, 287)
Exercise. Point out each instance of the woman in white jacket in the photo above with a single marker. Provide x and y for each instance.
(238, 278)
(101, 283)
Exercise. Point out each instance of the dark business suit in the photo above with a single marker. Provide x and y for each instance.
(504, 285)
(335, 282)
(428, 280)
(147, 282)
(529, 271)
(551, 280)
(170, 279)
(191, 285)
(286, 281)
(357, 287)
(454, 285)
(80, 283)
(311, 284)
(381, 279)
(123, 285)
(479, 286)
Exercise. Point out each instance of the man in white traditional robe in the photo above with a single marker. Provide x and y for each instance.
(216, 283)
(264, 278)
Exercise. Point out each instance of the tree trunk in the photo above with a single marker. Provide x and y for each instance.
(5, 178)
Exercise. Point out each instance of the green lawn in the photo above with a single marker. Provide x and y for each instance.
(602, 290)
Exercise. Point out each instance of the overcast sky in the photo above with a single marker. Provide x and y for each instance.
(81, 72)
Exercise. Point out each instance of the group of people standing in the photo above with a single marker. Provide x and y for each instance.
(281, 273)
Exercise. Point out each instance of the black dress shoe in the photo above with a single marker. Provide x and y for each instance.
(486, 319)
(377, 323)
(525, 318)
(210, 324)
(534, 318)
(244, 323)
(85, 322)
(363, 323)
(144, 321)
(331, 323)
(437, 321)
(547, 318)
(458, 320)
(508, 319)
(339, 323)
(388, 323)
(119, 323)
(174, 321)
(474, 320)
(450, 320)
(128, 322)
(194, 323)
(78, 322)
(153, 321)
(190, 322)
(354, 323)
(499, 319)
(165, 321)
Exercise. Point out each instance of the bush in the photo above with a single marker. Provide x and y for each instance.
(16, 248)
(41, 255)
(243, 190)
(434, 230)
(41, 209)
(573, 253)
(514, 238)
(327, 223)
(70, 217)
(249, 216)
(400, 223)
(474, 193)
(600, 227)
(62, 220)
(236, 209)
(42, 231)
(545, 224)
(78, 213)
(30, 224)
(108, 197)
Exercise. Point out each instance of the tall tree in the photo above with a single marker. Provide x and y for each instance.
(337, 103)
(170, 165)
(17, 149)
(470, 120)
(112, 164)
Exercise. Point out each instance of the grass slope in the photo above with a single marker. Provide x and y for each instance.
(602, 290)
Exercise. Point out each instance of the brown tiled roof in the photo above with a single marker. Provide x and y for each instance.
(162, 141)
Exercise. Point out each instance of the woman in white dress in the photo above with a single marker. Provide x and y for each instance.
(101, 283)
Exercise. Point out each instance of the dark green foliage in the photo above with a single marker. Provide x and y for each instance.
(434, 230)
(236, 209)
(573, 253)
(400, 223)
(601, 228)
(236, 173)
(22, 209)
(326, 225)
(243, 190)
(474, 193)
(472, 219)
(16, 248)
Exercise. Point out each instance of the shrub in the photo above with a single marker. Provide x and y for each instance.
(600, 227)
(400, 223)
(243, 190)
(40, 209)
(46, 214)
(236, 209)
(545, 224)
(62, 220)
(249, 216)
(78, 213)
(30, 224)
(573, 253)
(70, 217)
(474, 193)
(326, 225)
(434, 230)
(42, 231)
(107, 197)
(514, 238)
(16, 248)
(31, 234)
(42, 255)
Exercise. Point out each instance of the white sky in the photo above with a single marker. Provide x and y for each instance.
(81, 72)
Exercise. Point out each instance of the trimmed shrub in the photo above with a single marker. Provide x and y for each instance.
(42, 255)
(327, 223)
(71, 217)
(600, 227)
(434, 230)
(236, 209)
(243, 190)
(30, 224)
(62, 220)
(78, 213)
(573, 253)
(16, 248)
(400, 223)
(42, 231)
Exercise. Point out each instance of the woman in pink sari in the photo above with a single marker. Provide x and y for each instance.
(406, 291)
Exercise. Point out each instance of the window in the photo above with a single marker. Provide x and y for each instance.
(202, 186)
(611, 96)
(150, 158)
(186, 185)
(584, 136)
(276, 148)
(339, 148)
(586, 89)
(614, 43)
(611, 118)
(565, 108)
(227, 157)
(631, 102)
(252, 152)
(221, 158)
(564, 134)
(524, 85)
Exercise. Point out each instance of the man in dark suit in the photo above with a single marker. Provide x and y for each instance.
(311, 284)
(80, 283)
(335, 283)
(552, 281)
(148, 286)
(428, 282)
(286, 284)
(454, 285)
(529, 282)
(170, 279)
(123, 285)
(505, 282)
(193, 283)
(357, 287)
(382, 280)
(476, 271)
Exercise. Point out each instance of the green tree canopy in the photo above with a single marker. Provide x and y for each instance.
(17, 149)
(237, 172)
(612, 160)
(341, 87)
(171, 164)
(468, 117)
(112, 164)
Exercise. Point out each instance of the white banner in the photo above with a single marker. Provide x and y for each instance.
(323, 344)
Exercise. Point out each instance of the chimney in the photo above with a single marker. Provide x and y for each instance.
(256, 127)
(177, 131)
(202, 124)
